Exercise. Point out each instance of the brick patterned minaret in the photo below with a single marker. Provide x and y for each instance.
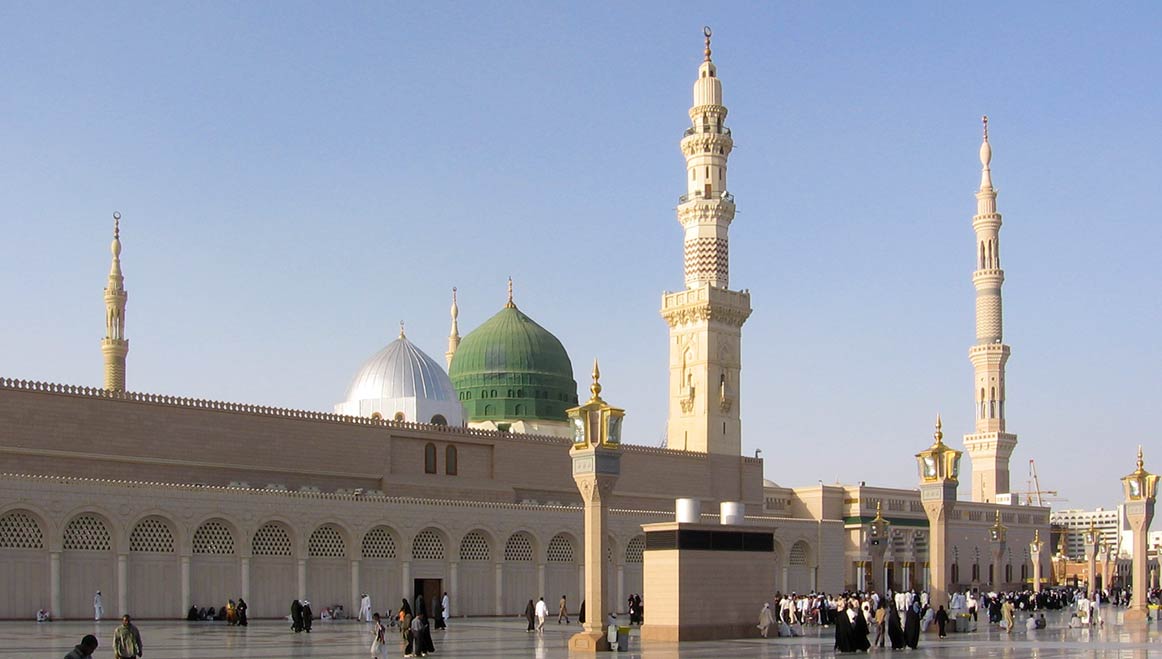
(706, 318)
(989, 446)
(115, 346)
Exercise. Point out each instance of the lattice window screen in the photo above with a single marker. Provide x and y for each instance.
(798, 554)
(428, 546)
(88, 533)
(20, 531)
(560, 549)
(634, 550)
(378, 543)
(214, 538)
(272, 540)
(326, 542)
(152, 534)
(474, 547)
(518, 548)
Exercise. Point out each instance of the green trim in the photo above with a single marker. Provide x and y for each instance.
(866, 519)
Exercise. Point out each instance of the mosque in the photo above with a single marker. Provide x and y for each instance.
(430, 480)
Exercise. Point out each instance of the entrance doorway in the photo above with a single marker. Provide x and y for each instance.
(432, 590)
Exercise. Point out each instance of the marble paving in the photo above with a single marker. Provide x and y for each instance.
(498, 637)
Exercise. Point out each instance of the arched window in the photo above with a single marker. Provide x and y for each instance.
(982, 256)
(152, 535)
(430, 459)
(88, 533)
(976, 571)
(20, 530)
(439, 420)
(982, 403)
(955, 573)
(489, 410)
(451, 461)
(519, 410)
(993, 402)
(1008, 572)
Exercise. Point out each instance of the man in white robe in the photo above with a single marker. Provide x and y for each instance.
(365, 608)
(98, 609)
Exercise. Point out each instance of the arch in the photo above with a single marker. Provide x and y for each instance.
(214, 537)
(380, 543)
(561, 549)
(430, 458)
(23, 569)
(800, 554)
(475, 546)
(800, 559)
(489, 410)
(982, 263)
(428, 545)
(519, 411)
(519, 548)
(153, 534)
(87, 564)
(438, 420)
(274, 538)
(451, 460)
(327, 541)
(635, 549)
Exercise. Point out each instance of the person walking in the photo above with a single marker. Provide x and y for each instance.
(1007, 616)
(98, 609)
(405, 627)
(127, 640)
(85, 649)
(364, 608)
(531, 615)
(446, 603)
(296, 616)
(562, 611)
(765, 619)
(881, 620)
(542, 614)
(941, 621)
(378, 638)
(241, 612)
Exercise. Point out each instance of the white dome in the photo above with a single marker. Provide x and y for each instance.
(402, 380)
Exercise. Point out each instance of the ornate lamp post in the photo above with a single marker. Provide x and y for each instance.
(1141, 487)
(1035, 554)
(877, 542)
(596, 457)
(1092, 538)
(997, 533)
(1112, 569)
(939, 473)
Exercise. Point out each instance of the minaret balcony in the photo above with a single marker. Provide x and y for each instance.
(695, 130)
(702, 194)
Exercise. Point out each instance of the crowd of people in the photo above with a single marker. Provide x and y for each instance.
(233, 613)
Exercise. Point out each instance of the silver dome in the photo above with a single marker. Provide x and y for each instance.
(401, 378)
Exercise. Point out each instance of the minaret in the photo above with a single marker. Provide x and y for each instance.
(454, 334)
(989, 446)
(115, 346)
(706, 318)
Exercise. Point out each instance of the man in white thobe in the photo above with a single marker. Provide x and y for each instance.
(365, 608)
(542, 612)
(98, 610)
(446, 604)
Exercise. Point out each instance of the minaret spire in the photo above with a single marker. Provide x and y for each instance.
(454, 333)
(114, 347)
(510, 304)
(706, 318)
(989, 446)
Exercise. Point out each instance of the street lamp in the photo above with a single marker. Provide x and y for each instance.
(939, 472)
(1035, 554)
(1140, 487)
(877, 538)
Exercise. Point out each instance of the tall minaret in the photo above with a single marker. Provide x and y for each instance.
(115, 346)
(454, 334)
(706, 318)
(989, 446)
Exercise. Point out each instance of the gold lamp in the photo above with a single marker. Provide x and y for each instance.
(939, 462)
(596, 423)
(878, 530)
(1036, 545)
(1091, 536)
(1141, 485)
(997, 531)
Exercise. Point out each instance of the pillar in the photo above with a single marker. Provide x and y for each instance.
(621, 594)
(54, 582)
(302, 578)
(541, 581)
(355, 591)
(783, 579)
(998, 552)
(499, 589)
(1035, 554)
(244, 571)
(406, 581)
(122, 584)
(186, 603)
(453, 587)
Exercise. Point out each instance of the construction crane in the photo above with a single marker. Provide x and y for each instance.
(1035, 492)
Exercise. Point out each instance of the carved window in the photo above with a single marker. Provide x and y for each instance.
(19, 530)
(798, 554)
(88, 533)
(519, 548)
(272, 540)
(430, 459)
(378, 543)
(451, 461)
(153, 535)
(326, 542)
(474, 547)
(634, 550)
(560, 549)
(214, 538)
(428, 546)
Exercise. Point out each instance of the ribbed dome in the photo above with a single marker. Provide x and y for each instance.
(402, 379)
(511, 368)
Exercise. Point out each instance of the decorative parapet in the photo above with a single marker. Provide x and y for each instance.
(706, 303)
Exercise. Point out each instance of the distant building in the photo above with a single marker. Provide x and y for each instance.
(1072, 525)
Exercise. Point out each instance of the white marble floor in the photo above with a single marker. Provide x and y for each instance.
(494, 638)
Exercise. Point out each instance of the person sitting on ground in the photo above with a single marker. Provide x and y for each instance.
(1041, 622)
(86, 648)
(192, 614)
(1074, 620)
(1031, 623)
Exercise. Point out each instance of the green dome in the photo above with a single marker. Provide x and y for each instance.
(510, 368)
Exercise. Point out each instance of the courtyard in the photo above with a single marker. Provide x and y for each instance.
(506, 637)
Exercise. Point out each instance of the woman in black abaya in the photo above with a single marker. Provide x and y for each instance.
(895, 629)
(859, 632)
(912, 625)
(843, 630)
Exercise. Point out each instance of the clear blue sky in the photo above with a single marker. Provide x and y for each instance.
(295, 178)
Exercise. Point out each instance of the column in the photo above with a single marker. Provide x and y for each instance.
(356, 593)
(186, 603)
(245, 573)
(541, 580)
(580, 585)
(499, 589)
(453, 587)
(406, 581)
(302, 578)
(783, 579)
(621, 595)
(122, 584)
(54, 582)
